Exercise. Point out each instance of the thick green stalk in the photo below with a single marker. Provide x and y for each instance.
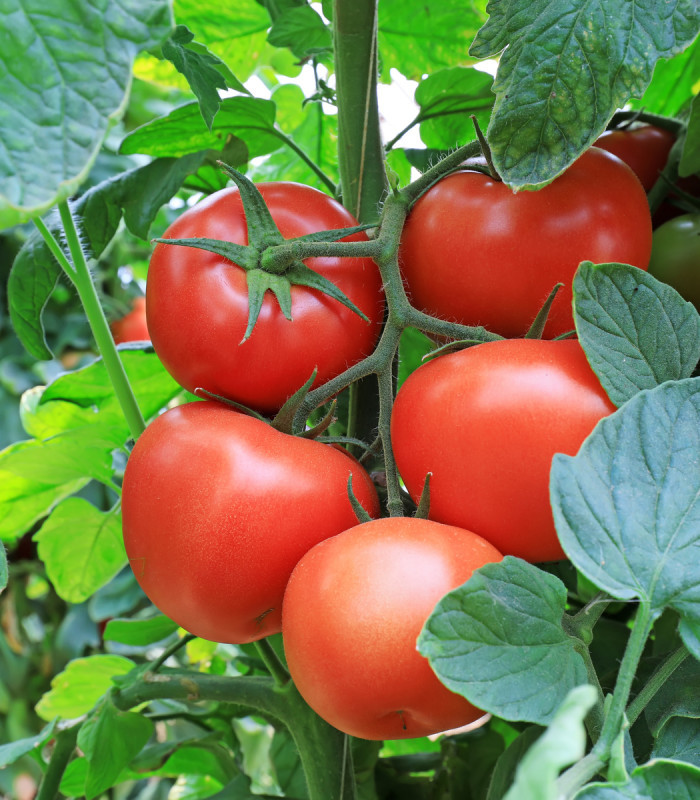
(61, 755)
(662, 673)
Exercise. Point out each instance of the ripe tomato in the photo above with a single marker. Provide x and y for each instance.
(352, 612)
(486, 423)
(197, 304)
(644, 149)
(474, 252)
(218, 507)
(132, 326)
(675, 256)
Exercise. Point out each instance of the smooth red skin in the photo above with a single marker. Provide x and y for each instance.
(197, 304)
(352, 613)
(475, 252)
(217, 509)
(132, 327)
(486, 423)
(645, 150)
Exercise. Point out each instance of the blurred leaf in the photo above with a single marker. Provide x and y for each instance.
(498, 641)
(413, 345)
(679, 696)
(674, 81)
(120, 595)
(565, 69)
(61, 92)
(110, 738)
(9, 753)
(447, 99)
(4, 575)
(76, 690)
(82, 548)
(636, 331)
(140, 632)
(627, 506)
(657, 779)
(563, 743)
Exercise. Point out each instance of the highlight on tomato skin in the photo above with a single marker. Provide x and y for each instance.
(473, 251)
(352, 612)
(486, 423)
(218, 507)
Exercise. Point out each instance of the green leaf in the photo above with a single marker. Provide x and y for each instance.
(637, 332)
(504, 771)
(417, 37)
(679, 740)
(81, 547)
(499, 642)
(183, 129)
(565, 69)
(563, 743)
(110, 738)
(302, 30)
(679, 696)
(201, 68)
(61, 92)
(9, 753)
(690, 158)
(673, 83)
(76, 690)
(627, 506)
(657, 779)
(4, 575)
(140, 632)
(287, 765)
(447, 99)
(137, 194)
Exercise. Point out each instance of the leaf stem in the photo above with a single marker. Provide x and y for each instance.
(661, 674)
(273, 662)
(181, 642)
(61, 755)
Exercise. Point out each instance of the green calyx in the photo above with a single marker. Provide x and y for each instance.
(273, 263)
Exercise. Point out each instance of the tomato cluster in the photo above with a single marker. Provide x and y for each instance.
(237, 530)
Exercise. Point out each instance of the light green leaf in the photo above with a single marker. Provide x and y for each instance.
(659, 779)
(61, 92)
(110, 738)
(627, 506)
(563, 743)
(140, 632)
(498, 641)
(9, 753)
(673, 83)
(76, 690)
(637, 332)
(82, 548)
(565, 69)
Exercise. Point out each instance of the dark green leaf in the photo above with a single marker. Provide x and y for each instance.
(139, 632)
(423, 160)
(563, 743)
(679, 696)
(81, 684)
(287, 765)
(120, 595)
(447, 99)
(110, 738)
(690, 159)
(627, 506)
(657, 779)
(183, 130)
(504, 771)
(499, 642)
(9, 753)
(81, 547)
(637, 332)
(679, 740)
(61, 92)
(302, 30)
(566, 68)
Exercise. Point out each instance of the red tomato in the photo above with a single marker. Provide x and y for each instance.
(645, 150)
(475, 252)
(198, 304)
(132, 326)
(486, 423)
(352, 613)
(217, 509)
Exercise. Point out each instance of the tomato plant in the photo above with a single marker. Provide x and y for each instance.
(369, 591)
(214, 498)
(644, 149)
(475, 252)
(197, 303)
(486, 422)
(675, 255)
(132, 326)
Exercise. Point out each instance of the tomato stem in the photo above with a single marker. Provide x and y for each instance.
(273, 662)
(659, 677)
(61, 755)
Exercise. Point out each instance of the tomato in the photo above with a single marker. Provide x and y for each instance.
(486, 423)
(218, 507)
(132, 326)
(197, 304)
(675, 256)
(351, 616)
(644, 149)
(474, 252)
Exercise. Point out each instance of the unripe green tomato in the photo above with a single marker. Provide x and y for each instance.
(675, 256)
